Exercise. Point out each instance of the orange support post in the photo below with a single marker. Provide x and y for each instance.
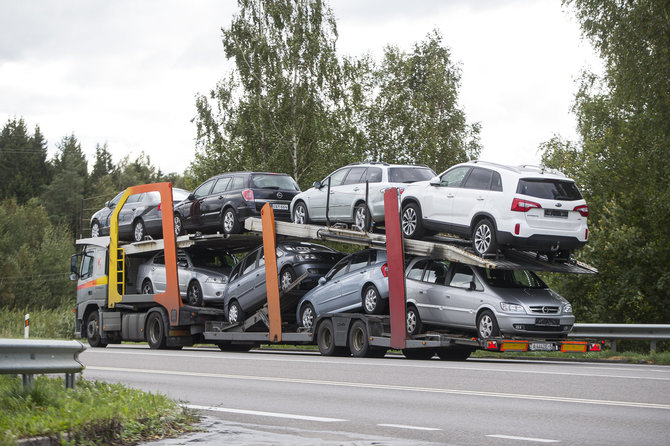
(271, 275)
(396, 268)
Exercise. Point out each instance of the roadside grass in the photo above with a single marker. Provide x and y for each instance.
(44, 323)
(93, 413)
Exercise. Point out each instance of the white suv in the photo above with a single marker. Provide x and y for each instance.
(347, 193)
(523, 207)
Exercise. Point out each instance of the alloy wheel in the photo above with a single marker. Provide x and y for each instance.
(482, 238)
(409, 221)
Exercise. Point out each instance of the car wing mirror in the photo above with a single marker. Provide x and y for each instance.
(109, 204)
(317, 184)
(322, 280)
(182, 264)
(190, 197)
(472, 286)
(435, 181)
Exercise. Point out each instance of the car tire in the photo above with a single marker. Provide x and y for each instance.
(93, 330)
(231, 224)
(234, 315)
(411, 221)
(178, 225)
(286, 278)
(413, 321)
(147, 287)
(372, 301)
(95, 229)
(194, 294)
(453, 354)
(139, 231)
(300, 213)
(155, 331)
(307, 315)
(325, 340)
(362, 217)
(487, 325)
(418, 353)
(484, 238)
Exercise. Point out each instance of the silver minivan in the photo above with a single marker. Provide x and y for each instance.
(490, 302)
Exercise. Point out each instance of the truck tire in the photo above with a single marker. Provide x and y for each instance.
(418, 353)
(453, 354)
(155, 331)
(325, 340)
(93, 330)
(359, 342)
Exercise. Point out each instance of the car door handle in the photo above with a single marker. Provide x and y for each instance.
(90, 292)
(480, 198)
(356, 189)
(220, 197)
(450, 195)
(422, 292)
(332, 191)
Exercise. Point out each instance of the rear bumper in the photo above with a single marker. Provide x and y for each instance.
(540, 242)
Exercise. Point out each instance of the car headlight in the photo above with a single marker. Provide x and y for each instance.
(216, 280)
(511, 308)
(567, 308)
(306, 257)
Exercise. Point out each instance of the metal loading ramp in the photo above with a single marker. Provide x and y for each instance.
(438, 247)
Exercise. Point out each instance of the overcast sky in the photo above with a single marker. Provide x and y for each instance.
(126, 72)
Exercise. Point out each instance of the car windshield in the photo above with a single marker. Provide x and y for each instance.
(550, 189)
(273, 181)
(502, 278)
(410, 174)
(306, 247)
(179, 195)
(208, 258)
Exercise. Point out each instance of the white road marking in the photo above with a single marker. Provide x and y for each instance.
(416, 428)
(537, 440)
(264, 414)
(317, 358)
(387, 387)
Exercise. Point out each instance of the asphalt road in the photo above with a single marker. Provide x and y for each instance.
(265, 397)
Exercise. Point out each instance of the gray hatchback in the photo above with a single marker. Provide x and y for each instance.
(490, 302)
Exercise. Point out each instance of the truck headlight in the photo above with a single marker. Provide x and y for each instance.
(511, 308)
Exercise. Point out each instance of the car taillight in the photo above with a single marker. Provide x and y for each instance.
(159, 206)
(520, 205)
(385, 270)
(248, 194)
(586, 234)
(401, 190)
(583, 210)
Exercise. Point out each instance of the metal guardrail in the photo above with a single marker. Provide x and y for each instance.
(38, 356)
(613, 332)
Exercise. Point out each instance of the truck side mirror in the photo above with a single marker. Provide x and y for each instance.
(74, 267)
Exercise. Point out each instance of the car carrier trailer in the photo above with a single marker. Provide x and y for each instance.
(107, 313)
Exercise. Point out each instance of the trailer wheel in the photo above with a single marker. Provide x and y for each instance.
(194, 294)
(454, 354)
(418, 353)
(372, 301)
(155, 331)
(487, 326)
(325, 339)
(359, 342)
(413, 320)
(93, 330)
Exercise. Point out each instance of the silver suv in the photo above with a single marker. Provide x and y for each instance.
(347, 193)
(494, 205)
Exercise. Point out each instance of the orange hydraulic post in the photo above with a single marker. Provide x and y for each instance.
(170, 299)
(396, 268)
(271, 275)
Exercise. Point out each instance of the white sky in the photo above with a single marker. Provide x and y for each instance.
(126, 72)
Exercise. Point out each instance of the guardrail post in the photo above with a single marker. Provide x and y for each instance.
(613, 346)
(69, 380)
(27, 379)
(652, 347)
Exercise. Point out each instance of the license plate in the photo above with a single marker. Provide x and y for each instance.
(547, 322)
(555, 213)
(541, 347)
(280, 207)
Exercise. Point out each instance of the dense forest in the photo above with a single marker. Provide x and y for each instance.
(292, 104)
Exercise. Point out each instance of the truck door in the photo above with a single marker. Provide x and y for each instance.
(92, 281)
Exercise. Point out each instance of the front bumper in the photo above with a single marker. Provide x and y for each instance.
(535, 325)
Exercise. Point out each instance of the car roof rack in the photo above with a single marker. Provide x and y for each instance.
(500, 166)
(541, 169)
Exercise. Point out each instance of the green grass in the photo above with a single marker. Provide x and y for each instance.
(53, 324)
(658, 358)
(92, 413)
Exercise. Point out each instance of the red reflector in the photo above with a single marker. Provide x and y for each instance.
(492, 345)
(517, 227)
(595, 348)
(583, 210)
(159, 206)
(248, 194)
(401, 190)
(520, 205)
(385, 270)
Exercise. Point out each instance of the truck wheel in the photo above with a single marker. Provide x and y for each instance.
(139, 231)
(231, 224)
(155, 331)
(453, 354)
(418, 353)
(307, 315)
(325, 339)
(235, 314)
(484, 238)
(487, 326)
(372, 301)
(414, 325)
(411, 221)
(359, 342)
(147, 287)
(93, 330)
(194, 294)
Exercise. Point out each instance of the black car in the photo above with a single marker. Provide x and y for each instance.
(223, 202)
(140, 215)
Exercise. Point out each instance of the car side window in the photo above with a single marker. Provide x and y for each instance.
(339, 269)
(135, 198)
(479, 179)
(237, 184)
(159, 259)
(249, 263)
(203, 189)
(182, 259)
(221, 185)
(436, 272)
(235, 272)
(416, 272)
(496, 182)
(359, 260)
(454, 177)
(462, 276)
(373, 175)
(337, 178)
(355, 175)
